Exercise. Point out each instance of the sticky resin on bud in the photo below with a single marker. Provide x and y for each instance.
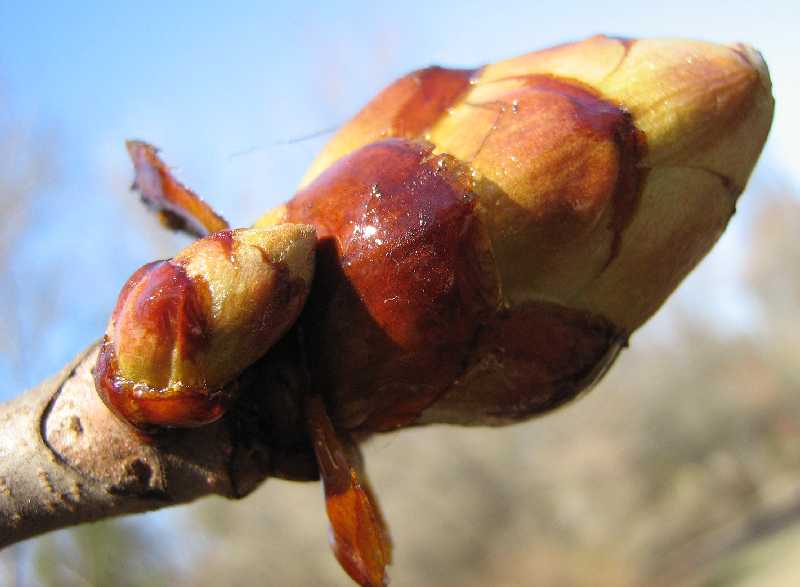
(184, 328)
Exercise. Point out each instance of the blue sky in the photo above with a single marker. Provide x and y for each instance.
(222, 88)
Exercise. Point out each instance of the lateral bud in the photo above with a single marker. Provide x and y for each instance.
(184, 328)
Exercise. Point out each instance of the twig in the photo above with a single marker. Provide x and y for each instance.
(65, 459)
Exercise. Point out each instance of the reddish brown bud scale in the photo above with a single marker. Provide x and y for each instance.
(534, 357)
(170, 311)
(403, 283)
(560, 178)
(171, 307)
(430, 92)
(151, 408)
(406, 109)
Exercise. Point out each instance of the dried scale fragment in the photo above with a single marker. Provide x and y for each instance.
(359, 536)
(177, 207)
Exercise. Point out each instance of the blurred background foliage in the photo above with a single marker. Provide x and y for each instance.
(680, 468)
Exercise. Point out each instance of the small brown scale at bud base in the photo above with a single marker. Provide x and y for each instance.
(150, 409)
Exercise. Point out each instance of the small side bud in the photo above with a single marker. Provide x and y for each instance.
(184, 328)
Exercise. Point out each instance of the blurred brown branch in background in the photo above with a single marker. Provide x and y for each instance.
(26, 169)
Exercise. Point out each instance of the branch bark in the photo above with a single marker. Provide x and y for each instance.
(65, 459)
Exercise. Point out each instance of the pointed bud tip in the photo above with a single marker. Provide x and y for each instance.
(755, 59)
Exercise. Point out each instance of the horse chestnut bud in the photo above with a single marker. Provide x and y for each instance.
(184, 328)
